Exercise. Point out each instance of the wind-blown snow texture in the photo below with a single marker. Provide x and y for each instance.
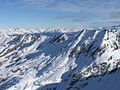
(60, 60)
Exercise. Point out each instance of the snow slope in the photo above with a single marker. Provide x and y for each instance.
(40, 59)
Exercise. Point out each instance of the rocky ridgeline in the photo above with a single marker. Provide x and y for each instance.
(51, 57)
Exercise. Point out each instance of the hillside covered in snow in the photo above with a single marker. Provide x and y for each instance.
(60, 59)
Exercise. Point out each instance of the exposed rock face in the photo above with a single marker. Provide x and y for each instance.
(52, 60)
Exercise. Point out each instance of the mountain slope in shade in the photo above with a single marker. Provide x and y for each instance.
(60, 60)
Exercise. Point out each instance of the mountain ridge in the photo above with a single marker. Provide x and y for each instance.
(55, 60)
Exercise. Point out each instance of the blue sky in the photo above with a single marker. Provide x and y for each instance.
(59, 13)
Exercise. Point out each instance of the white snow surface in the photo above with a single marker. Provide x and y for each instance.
(60, 59)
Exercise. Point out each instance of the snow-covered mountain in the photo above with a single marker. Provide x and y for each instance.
(74, 59)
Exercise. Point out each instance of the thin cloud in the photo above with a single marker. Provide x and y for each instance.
(11, 2)
(107, 20)
(67, 6)
(115, 14)
(70, 17)
(39, 3)
(112, 16)
(70, 5)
